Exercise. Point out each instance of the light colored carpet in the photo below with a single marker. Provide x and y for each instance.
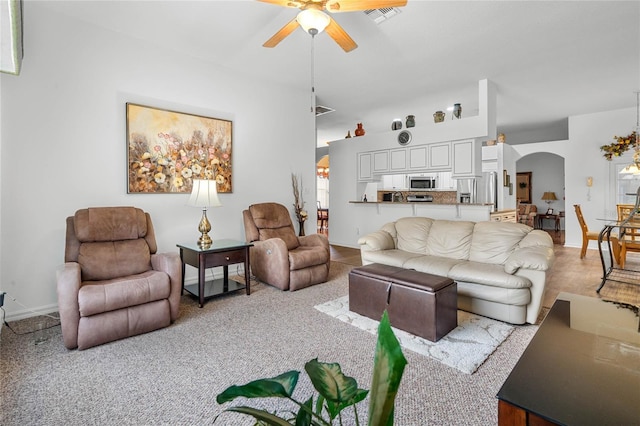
(172, 376)
(465, 348)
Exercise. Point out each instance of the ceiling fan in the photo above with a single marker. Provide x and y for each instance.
(314, 20)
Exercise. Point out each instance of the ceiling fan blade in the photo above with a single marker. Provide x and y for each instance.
(341, 37)
(353, 5)
(280, 35)
(284, 3)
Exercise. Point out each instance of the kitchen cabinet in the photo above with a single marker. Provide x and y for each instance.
(467, 161)
(398, 160)
(364, 166)
(439, 156)
(381, 161)
(418, 157)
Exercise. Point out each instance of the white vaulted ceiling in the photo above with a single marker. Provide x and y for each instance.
(549, 60)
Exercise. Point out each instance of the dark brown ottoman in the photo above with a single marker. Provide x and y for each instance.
(419, 303)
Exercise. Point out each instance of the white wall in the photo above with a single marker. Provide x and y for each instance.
(64, 143)
(583, 158)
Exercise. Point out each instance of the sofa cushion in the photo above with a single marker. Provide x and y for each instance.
(412, 234)
(105, 296)
(493, 242)
(487, 274)
(506, 296)
(273, 221)
(306, 256)
(109, 224)
(285, 233)
(449, 238)
(393, 257)
(107, 260)
(436, 265)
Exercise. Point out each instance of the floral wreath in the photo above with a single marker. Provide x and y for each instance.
(621, 145)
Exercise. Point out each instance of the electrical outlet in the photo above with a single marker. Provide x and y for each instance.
(2, 299)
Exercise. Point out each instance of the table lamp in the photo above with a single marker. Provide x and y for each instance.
(204, 194)
(549, 197)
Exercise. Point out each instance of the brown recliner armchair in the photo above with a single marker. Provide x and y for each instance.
(113, 284)
(278, 256)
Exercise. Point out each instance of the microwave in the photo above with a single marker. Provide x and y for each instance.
(421, 183)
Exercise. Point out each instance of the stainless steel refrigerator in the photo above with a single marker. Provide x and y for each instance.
(488, 189)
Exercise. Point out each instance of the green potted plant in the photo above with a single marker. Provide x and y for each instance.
(336, 391)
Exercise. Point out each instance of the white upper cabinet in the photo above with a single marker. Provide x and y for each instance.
(418, 157)
(467, 158)
(398, 160)
(364, 166)
(381, 161)
(439, 156)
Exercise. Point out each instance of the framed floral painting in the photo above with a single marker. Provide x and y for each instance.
(167, 150)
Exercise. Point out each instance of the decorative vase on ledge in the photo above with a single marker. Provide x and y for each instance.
(301, 233)
(359, 131)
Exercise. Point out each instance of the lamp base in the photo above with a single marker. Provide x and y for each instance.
(204, 227)
(205, 241)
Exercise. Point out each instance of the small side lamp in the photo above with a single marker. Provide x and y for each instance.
(549, 197)
(204, 194)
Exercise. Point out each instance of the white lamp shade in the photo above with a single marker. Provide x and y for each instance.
(204, 194)
(313, 18)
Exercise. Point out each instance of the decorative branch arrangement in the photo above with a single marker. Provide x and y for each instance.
(298, 205)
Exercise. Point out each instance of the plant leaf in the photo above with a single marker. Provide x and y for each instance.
(388, 367)
(303, 418)
(281, 386)
(260, 415)
(328, 380)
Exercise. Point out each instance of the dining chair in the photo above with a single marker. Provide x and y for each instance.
(586, 234)
(630, 239)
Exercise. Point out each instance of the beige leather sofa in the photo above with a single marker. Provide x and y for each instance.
(500, 267)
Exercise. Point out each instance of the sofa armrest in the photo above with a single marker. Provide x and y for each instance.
(314, 240)
(270, 262)
(170, 264)
(539, 258)
(68, 280)
(376, 241)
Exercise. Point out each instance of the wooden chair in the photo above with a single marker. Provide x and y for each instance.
(630, 239)
(586, 234)
(323, 217)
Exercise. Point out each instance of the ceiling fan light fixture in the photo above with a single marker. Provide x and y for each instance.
(313, 19)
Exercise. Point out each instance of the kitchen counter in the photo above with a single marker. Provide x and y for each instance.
(421, 202)
(475, 212)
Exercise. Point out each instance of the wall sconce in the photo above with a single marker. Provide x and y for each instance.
(589, 185)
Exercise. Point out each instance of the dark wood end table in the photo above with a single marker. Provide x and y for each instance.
(221, 253)
(554, 217)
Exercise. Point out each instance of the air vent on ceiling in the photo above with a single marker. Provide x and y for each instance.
(320, 110)
(380, 15)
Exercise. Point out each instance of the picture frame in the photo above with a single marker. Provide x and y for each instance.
(523, 187)
(549, 211)
(167, 150)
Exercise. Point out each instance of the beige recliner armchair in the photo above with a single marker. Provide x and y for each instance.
(113, 284)
(278, 256)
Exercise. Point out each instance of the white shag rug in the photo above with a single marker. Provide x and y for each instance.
(465, 348)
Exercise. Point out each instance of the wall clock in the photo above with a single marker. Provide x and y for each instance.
(404, 137)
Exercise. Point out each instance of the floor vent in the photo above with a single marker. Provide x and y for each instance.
(320, 110)
(380, 15)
